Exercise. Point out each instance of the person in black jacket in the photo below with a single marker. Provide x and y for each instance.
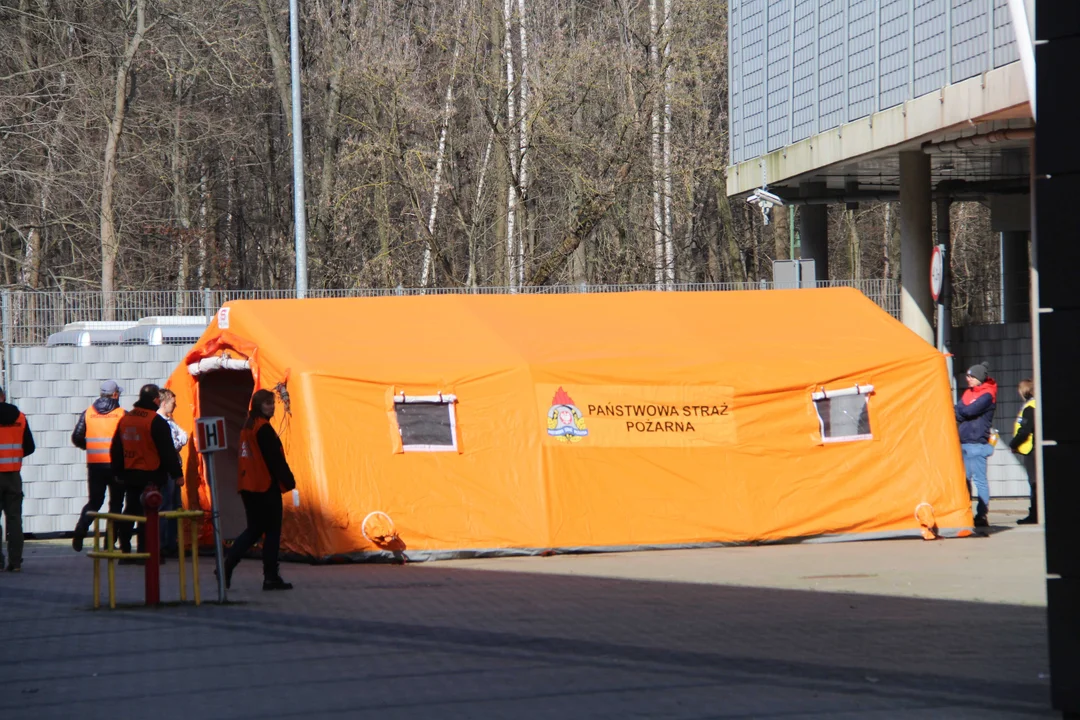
(1023, 444)
(99, 473)
(20, 444)
(142, 454)
(264, 474)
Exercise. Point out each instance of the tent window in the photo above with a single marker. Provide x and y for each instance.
(844, 415)
(426, 422)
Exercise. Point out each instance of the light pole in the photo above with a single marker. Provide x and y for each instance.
(299, 214)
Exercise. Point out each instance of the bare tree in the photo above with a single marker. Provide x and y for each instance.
(110, 241)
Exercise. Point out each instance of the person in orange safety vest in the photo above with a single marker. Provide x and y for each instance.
(93, 433)
(142, 454)
(16, 442)
(264, 474)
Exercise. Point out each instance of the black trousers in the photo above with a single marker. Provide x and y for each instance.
(99, 478)
(134, 485)
(263, 511)
(1029, 466)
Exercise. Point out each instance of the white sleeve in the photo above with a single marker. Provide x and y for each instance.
(180, 438)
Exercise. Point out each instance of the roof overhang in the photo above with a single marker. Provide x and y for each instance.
(998, 95)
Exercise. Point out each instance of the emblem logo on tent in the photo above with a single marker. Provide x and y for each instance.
(564, 420)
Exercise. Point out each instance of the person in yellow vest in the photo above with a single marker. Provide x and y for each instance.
(16, 442)
(142, 454)
(264, 475)
(1023, 443)
(93, 433)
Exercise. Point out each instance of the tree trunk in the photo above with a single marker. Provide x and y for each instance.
(208, 262)
(735, 264)
(854, 246)
(235, 226)
(886, 240)
(382, 219)
(110, 242)
(181, 213)
(589, 215)
(669, 247)
(660, 273)
(278, 59)
(778, 222)
(440, 154)
(512, 147)
(526, 232)
(475, 215)
(324, 210)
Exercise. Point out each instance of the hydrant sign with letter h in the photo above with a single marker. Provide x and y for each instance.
(211, 434)
(211, 439)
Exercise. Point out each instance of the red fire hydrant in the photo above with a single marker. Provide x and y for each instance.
(151, 501)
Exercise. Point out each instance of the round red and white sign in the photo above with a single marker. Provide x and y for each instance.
(937, 271)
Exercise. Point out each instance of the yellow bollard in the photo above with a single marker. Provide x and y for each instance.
(180, 528)
(195, 560)
(108, 554)
(97, 564)
(112, 564)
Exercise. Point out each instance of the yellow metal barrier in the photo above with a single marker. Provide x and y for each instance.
(98, 553)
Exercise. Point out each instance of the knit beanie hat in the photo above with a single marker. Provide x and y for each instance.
(979, 372)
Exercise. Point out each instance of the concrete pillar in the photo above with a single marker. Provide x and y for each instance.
(814, 229)
(916, 244)
(1015, 277)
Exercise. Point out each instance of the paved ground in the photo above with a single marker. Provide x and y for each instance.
(952, 629)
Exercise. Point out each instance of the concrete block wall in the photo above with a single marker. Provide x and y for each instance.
(1006, 349)
(52, 385)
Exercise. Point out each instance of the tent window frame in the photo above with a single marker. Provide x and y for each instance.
(438, 399)
(863, 391)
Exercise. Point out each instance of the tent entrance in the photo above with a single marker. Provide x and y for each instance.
(227, 393)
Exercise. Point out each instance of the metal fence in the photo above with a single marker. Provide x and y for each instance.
(29, 318)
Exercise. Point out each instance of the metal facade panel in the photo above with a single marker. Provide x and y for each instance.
(831, 60)
(1005, 50)
(778, 72)
(805, 45)
(800, 67)
(970, 38)
(861, 31)
(752, 52)
(895, 42)
(931, 56)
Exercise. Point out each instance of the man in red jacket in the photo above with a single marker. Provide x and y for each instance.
(975, 417)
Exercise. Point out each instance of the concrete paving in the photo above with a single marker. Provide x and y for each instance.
(899, 629)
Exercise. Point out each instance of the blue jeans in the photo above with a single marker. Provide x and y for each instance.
(975, 455)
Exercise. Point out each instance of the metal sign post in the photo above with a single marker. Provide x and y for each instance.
(937, 290)
(211, 439)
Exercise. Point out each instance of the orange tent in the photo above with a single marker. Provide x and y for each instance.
(501, 424)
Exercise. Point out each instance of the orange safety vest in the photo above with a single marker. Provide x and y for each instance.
(11, 449)
(140, 452)
(99, 434)
(254, 475)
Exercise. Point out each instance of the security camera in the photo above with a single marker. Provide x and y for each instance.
(764, 200)
(763, 195)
